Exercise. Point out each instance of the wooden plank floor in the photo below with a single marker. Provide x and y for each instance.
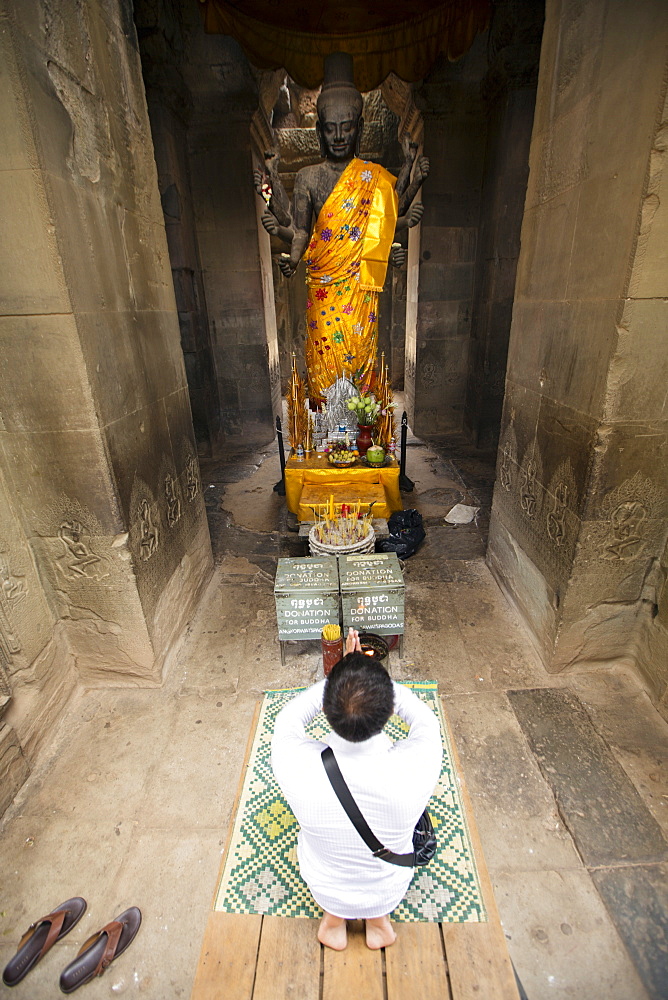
(276, 958)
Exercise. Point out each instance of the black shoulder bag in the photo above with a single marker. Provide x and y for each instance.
(424, 838)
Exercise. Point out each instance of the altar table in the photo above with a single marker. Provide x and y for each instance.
(314, 480)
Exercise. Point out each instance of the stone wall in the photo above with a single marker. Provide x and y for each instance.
(454, 141)
(509, 91)
(221, 161)
(578, 529)
(162, 46)
(107, 532)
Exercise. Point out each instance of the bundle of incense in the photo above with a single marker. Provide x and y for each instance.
(342, 531)
(331, 632)
(297, 416)
(385, 425)
(308, 441)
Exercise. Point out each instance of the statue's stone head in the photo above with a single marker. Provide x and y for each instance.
(339, 108)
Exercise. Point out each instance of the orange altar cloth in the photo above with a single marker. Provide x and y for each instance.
(314, 480)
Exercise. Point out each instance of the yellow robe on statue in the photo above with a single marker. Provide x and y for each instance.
(346, 264)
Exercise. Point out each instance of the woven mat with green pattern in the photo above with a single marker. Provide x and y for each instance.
(261, 873)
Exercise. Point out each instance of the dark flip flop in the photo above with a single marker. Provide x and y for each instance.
(100, 950)
(41, 936)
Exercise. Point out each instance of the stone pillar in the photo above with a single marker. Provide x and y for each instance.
(454, 141)
(96, 447)
(578, 530)
(225, 99)
(269, 309)
(509, 90)
(398, 330)
(169, 138)
(161, 44)
(222, 175)
(290, 305)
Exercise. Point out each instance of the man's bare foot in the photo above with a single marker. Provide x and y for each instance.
(379, 933)
(332, 932)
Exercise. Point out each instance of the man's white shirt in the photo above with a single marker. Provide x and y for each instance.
(391, 784)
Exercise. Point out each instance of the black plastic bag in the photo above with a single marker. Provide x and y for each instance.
(406, 533)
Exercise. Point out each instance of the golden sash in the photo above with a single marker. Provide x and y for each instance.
(346, 265)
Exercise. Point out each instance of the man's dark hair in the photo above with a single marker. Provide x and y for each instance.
(359, 697)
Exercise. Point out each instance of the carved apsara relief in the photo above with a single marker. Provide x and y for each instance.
(193, 484)
(13, 591)
(77, 537)
(148, 532)
(562, 494)
(173, 502)
(431, 374)
(528, 488)
(79, 560)
(506, 468)
(507, 458)
(12, 584)
(629, 507)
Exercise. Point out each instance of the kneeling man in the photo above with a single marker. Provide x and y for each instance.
(391, 784)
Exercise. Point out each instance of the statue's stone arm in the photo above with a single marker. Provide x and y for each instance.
(276, 217)
(411, 218)
(420, 174)
(280, 203)
(302, 216)
(410, 152)
(274, 228)
(398, 255)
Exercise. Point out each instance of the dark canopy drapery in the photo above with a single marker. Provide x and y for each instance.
(400, 36)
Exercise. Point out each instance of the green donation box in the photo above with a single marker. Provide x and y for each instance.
(372, 593)
(307, 596)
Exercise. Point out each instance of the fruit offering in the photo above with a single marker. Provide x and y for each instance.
(342, 454)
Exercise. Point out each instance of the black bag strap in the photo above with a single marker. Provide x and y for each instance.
(346, 799)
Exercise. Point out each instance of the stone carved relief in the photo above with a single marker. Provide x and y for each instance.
(79, 559)
(528, 492)
(506, 469)
(563, 494)
(12, 585)
(275, 375)
(150, 539)
(13, 591)
(530, 482)
(5, 659)
(431, 374)
(173, 502)
(629, 507)
(556, 518)
(148, 533)
(75, 536)
(9, 644)
(507, 457)
(542, 519)
(193, 485)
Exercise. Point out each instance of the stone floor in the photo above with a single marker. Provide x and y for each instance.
(131, 804)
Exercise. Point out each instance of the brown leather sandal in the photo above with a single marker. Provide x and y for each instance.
(100, 950)
(41, 936)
